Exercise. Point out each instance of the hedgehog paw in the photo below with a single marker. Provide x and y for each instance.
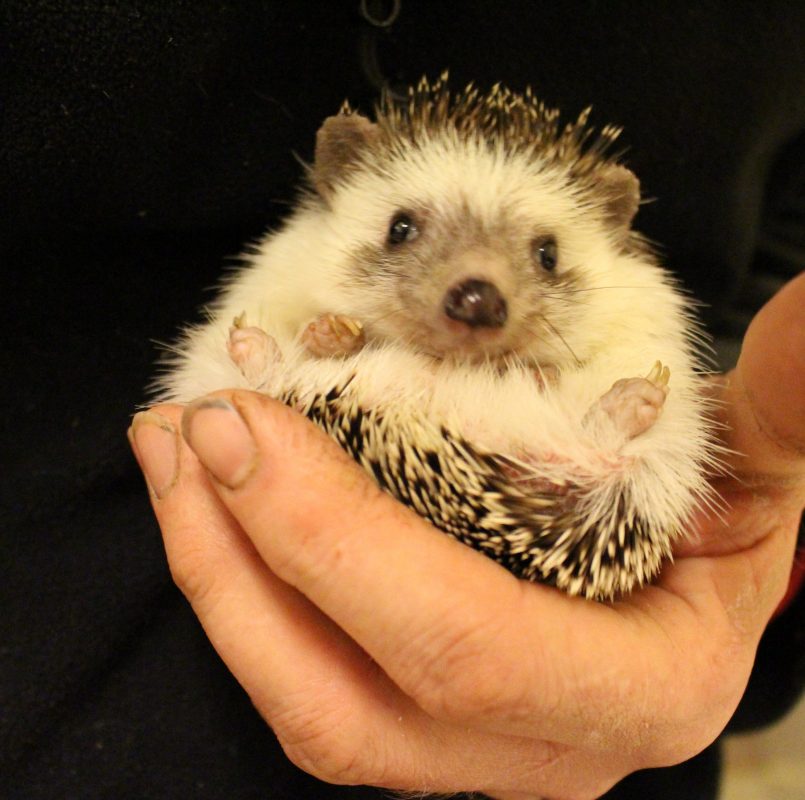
(635, 404)
(252, 350)
(333, 336)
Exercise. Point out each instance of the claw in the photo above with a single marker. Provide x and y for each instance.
(656, 372)
(333, 335)
(344, 325)
(240, 320)
(353, 325)
(659, 375)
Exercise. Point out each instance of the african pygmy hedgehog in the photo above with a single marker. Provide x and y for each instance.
(460, 301)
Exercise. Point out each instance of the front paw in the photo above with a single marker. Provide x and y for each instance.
(253, 351)
(635, 404)
(332, 336)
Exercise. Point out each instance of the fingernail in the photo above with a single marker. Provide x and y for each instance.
(157, 446)
(220, 438)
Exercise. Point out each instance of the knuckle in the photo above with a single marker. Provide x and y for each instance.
(574, 775)
(192, 570)
(691, 718)
(328, 746)
(668, 751)
(723, 663)
(333, 764)
(461, 676)
(679, 751)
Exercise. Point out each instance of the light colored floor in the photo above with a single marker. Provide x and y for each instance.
(769, 765)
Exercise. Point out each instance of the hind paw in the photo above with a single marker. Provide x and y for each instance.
(252, 350)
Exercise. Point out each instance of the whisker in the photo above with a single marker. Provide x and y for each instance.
(381, 317)
(563, 298)
(562, 339)
(603, 288)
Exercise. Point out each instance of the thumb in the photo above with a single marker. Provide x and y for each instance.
(764, 396)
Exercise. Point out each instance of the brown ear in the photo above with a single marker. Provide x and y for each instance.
(620, 190)
(339, 144)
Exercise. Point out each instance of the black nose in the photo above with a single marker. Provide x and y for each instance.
(478, 303)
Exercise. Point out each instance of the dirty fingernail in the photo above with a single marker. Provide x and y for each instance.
(157, 446)
(220, 438)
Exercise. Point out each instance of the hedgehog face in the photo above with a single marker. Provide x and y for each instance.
(470, 254)
(473, 244)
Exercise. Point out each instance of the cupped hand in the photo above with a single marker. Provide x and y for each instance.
(381, 652)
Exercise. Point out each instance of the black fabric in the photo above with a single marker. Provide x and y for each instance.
(142, 144)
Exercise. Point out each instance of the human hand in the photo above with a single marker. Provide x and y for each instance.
(382, 652)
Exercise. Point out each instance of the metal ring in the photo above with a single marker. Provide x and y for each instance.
(377, 21)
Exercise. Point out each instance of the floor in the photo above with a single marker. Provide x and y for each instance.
(769, 765)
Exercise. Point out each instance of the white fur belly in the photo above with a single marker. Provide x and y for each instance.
(543, 427)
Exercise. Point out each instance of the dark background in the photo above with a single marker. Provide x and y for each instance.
(141, 145)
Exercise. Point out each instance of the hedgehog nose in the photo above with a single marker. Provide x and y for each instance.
(478, 303)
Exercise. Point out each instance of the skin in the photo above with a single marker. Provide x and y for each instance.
(381, 652)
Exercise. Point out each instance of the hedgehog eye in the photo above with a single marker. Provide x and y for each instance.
(546, 252)
(402, 229)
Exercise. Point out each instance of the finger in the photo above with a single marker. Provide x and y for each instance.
(461, 636)
(746, 553)
(763, 408)
(218, 569)
(335, 713)
(336, 716)
(764, 396)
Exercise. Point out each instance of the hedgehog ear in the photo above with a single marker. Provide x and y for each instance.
(620, 189)
(339, 144)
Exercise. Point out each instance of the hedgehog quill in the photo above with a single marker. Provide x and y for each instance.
(460, 301)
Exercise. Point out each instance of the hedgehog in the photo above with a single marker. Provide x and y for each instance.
(460, 301)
